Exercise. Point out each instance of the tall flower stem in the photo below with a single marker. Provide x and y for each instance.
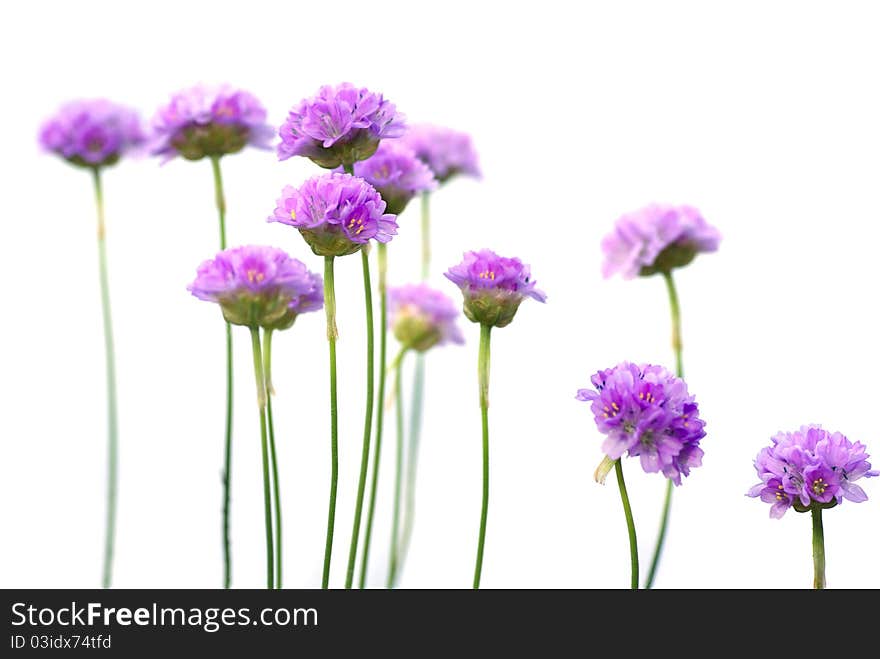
(679, 371)
(630, 526)
(110, 368)
(483, 369)
(380, 409)
(368, 422)
(220, 200)
(270, 391)
(267, 483)
(394, 554)
(426, 235)
(818, 548)
(332, 335)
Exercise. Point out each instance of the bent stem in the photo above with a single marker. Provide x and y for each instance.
(270, 391)
(630, 527)
(483, 369)
(332, 335)
(267, 484)
(220, 200)
(110, 368)
(394, 556)
(679, 371)
(368, 423)
(818, 548)
(380, 409)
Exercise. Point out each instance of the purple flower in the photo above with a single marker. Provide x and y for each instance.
(447, 152)
(339, 126)
(646, 411)
(657, 238)
(210, 121)
(258, 286)
(336, 213)
(808, 466)
(92, 132)
(493, 286)
(422, 317)
(396, 173)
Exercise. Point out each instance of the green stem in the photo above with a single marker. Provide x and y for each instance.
(270, 391)
(426, 235)
(332, 335)
(394, 557)
(818, 548)
(267, 483)
(679, 371)
(220, 201)
(110, 368)
(483, 368)
(368, 423)
(630, 527)
(380, 409)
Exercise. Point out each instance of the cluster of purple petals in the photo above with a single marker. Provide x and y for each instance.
(258, 285)
(92, 132)
(657, 238)
(208, 120)
(646, 411)
(397, 174)
(810, 465)
(422, 317)
(336, 213)
(447, 152)
(339, 125)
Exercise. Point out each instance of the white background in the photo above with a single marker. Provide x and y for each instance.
(764, 115)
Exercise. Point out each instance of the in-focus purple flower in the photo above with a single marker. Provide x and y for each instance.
(92, 132)
(422, 317)
(493, 286)
(396, 173)
(337, 214)
(258, 286)
(340, 125)
(447, 152)
(657, 238)
(810, 466)
(645, 411)
(210, 121)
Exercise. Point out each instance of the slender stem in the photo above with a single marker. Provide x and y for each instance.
(412, 457)
(393, 557)
(276, 483)
(368, 423)
(483, 368)
(679, 371)
(380, 408)
(426, 235)
(267, 483)
(332, 335)
(110, 368)
(818, 548)
(220, 201)
(630, 527)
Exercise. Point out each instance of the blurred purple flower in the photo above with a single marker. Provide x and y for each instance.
(447, 152)
(339, 126)
(657, 238)
(646, 411)
(422, 317)
(92, 132)
(396, 173)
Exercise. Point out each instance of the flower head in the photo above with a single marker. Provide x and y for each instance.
(646, 411)
(258, 286)
(210, 121)
(92, 132)
(422, 317)
(336, 213)
(810, 466)
(396, 173)
(447, 152)
(339, 126)
(657, 238)
(493, 286)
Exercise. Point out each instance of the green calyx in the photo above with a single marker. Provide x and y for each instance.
(495, 308)
(677, 255)
(195, 142)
